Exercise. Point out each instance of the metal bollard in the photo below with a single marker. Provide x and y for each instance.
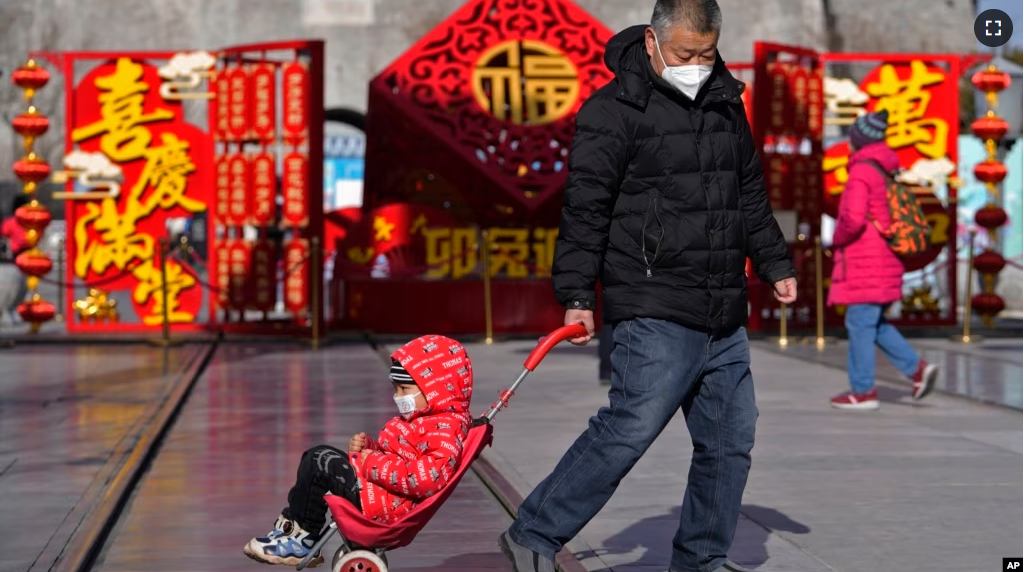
(485, 256)
(966, 337)
(60, 276)
(163, 291)
(317, 280)
(783, 319)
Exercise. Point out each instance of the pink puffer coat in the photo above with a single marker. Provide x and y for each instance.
(866, 271)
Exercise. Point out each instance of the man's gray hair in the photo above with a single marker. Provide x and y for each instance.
(700, 16)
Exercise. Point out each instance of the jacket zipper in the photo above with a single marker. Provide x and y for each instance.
(643, 235)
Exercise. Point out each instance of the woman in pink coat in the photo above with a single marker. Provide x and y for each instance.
(867, 276)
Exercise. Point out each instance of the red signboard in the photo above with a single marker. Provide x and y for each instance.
(264, 280)
(223, 187)
(296, 282)
(238, 183)
(239, 263)
(263, 208)
(295, 108)
(222, 258)
(295, 185)
(165, 169)
(240, 105)
(220, 109)
(262, 77)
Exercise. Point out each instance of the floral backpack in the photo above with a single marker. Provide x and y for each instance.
(908, 230)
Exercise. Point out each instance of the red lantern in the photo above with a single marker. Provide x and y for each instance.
(30, 124)
(990, 217)
(33, 217)
(990, 127)
(36, 312)
(30, 76)
(34, 263)
(989, 262)
(988, 304)
(31, 169)
(990, 171)
(991, 80)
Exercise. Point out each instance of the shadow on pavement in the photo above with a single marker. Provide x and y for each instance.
(654, 536)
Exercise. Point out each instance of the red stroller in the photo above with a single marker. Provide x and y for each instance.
(364, 541)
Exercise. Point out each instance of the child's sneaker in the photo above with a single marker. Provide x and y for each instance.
(850, 400)
(924, 379)
(287, 544)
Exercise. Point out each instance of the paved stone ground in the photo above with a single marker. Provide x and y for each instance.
(224, 471)
(934, 486)
(989, 371)
(64, 411)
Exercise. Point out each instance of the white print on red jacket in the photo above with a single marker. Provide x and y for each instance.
(414, 459)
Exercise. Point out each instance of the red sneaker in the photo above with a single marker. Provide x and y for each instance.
(924, 379)
(850, 400)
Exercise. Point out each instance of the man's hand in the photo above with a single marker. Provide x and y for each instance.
(585, 318)
(785, 290)
(357, 443)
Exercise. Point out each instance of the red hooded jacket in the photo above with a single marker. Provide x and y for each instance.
(414, 458)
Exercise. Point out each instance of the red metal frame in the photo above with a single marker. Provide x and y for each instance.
(314, 51)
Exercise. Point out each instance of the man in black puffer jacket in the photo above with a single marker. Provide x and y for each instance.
(664, 204)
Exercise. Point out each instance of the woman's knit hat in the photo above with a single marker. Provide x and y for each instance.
(869, 128)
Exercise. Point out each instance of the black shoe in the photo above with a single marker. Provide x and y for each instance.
(730, 567)
(523, 559)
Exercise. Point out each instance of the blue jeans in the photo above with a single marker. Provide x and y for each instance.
(658, 368)
(867, 327)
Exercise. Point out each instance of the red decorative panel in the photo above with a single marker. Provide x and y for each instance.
(238, 193)
(263, 207)
(296, 282)
(239, 106)
(295, 121)
(295, 185)
(264, 281)
(262, 80)
(486, 102)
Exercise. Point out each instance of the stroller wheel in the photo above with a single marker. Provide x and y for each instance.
(359, 561)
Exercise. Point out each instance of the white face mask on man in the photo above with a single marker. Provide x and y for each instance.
(688, 79)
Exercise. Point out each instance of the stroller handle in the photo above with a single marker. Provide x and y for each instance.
(551, 340)
(543, 347)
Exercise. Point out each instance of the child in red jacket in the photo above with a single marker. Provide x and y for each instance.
(413, 458)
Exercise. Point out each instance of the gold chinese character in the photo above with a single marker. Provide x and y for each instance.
(907, 103)
(544, 250)
(837, 164)
(151, 286)
(525, 82)
(450, 252)
(122, 122)
(382, 229)
(509, 250)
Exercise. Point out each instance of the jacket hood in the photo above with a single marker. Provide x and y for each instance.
(442, 370)
(626, 56)
(878, 152)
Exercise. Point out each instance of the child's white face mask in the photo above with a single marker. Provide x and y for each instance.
(407, 403)
(687, 79)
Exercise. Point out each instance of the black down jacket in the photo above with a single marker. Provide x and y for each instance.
(665, 200)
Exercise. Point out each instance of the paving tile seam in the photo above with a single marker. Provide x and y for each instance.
(80, 549)
(92, 495)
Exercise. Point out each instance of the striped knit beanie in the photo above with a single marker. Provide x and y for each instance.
(398, 373)
(869, 128)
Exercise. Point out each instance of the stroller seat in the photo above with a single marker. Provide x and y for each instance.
(363, 532)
